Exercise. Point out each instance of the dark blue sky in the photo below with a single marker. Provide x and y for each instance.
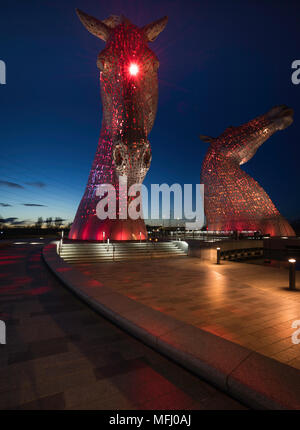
(221, 63)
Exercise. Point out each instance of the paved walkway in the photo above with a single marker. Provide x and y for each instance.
(61, 355)
(245, 303)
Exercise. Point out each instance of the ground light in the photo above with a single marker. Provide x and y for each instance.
(292, 274)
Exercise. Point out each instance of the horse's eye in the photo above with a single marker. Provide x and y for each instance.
(133, 69)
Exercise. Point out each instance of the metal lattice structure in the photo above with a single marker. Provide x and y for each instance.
(129, 92)
(233, 200)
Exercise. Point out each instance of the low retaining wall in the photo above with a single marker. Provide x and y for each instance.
(5, 243)
(207, 254)
(208, 251)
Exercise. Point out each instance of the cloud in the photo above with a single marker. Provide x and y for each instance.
(8, 220)
(33, 205)
(37, 184)
(5, 205)
(19, 222)
(13, 221)
(11, 184)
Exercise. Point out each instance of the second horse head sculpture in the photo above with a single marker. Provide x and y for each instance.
(232, 199)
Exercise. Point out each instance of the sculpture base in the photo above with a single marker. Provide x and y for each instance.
(276, 226)
(94, 229)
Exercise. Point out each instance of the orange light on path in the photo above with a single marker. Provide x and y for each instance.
(133, 69)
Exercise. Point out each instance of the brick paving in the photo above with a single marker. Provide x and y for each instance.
(246, 303)
(61, 355)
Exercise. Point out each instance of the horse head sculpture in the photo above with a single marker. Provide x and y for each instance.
(129, 92)
(234, 200)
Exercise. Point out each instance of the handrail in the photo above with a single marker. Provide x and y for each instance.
(241, 252)
(59, 246)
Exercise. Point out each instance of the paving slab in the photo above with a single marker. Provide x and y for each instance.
(266, 383)
(207, 354)
(218, 360)
(89, 363)
(245, 303)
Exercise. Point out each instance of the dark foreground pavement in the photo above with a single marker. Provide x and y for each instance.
(61, 355)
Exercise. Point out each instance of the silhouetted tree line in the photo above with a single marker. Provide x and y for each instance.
(50, 222)
(11, 227)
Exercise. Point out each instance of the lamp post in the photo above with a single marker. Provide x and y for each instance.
(218, 255)
(61, 242)
(292, 274)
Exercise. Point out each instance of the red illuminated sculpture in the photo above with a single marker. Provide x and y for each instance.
(129, 92)
(234, 200)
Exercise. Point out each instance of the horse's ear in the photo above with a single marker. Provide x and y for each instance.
(207, 139)
(152, 30)
(94, 25)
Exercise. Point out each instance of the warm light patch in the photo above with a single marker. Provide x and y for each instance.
(133, 69)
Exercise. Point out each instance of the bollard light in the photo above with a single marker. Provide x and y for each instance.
(292, 274)
(103, 236)
(140, 236)
(218, 255)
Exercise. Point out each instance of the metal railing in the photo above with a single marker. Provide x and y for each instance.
(59, 246)
(239, 254)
